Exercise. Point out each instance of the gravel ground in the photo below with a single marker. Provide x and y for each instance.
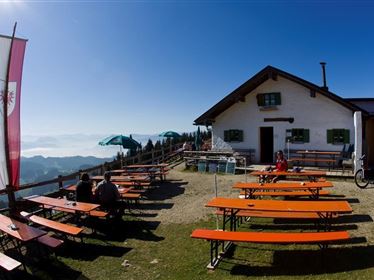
(182, 198)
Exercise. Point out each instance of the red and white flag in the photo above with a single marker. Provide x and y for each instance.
(10, 139)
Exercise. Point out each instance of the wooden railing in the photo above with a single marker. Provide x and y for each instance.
(154, 156)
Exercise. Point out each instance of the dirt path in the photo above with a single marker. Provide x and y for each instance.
(182, 199)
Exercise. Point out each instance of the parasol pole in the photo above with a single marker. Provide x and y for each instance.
(120, 155)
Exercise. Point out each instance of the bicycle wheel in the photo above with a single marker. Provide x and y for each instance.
(360, 181)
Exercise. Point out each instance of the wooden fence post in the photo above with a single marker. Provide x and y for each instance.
(11, 198)
(153, 156)
(60, 183)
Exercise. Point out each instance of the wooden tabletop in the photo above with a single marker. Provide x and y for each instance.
(289, 173)
(56, 202)
(122, 178)
(333, 153)
(23, 233)
(281, 205)
(283, 185)
(161, 165)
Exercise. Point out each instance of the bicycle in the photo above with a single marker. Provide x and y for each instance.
(364, 175)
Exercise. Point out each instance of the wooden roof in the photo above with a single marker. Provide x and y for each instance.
(269, 72)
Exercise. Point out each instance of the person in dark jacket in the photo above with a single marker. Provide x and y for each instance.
(83, 192)
(108, 197)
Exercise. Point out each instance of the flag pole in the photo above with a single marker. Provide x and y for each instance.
(9, 187)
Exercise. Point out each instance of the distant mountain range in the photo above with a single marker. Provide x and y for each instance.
(39, 168)
(74, 144)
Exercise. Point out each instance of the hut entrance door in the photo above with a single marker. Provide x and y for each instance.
(266, 144)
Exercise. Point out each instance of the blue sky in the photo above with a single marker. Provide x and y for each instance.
(102, 67)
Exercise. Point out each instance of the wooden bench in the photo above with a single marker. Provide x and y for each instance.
(57, 226)
(50, 241)
(93, 213)
(276, 214)
(216, 237)
(133, 184)
(288, 193)
(329, 161)
(8, 263)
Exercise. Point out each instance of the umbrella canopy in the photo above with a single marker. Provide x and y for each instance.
(169, 134)
(122, 140)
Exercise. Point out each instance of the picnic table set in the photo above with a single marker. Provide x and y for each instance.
(254, 202)
(24, 228)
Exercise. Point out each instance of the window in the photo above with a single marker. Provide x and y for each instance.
(297, 135)
(338, 136)
(269, 99)
(233, 135)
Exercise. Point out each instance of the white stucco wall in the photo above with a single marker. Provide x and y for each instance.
(316, 114)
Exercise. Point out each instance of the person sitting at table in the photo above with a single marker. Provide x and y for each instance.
(281, 165)
(107, 195)
(83, 192)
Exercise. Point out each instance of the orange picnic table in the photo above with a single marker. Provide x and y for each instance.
(324, 209)
(312, 175)
(250, 189)
(73, 188)
(123, 178)
(148, 169)
(22, 232)
(61, 203)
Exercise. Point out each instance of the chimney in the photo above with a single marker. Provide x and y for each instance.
(325, 87)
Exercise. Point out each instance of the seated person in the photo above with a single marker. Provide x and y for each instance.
(107, 194)
(83, 193)
(280, 165)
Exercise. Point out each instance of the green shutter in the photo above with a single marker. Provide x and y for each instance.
(226, 135)
(306, 135)
(346, 136)
(240, 138)
(277, 98)
(329, 136)
(260, 100)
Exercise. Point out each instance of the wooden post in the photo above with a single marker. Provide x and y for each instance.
(153, 156)
(11, 198)
(60, 183)
(162, 154)
(139, 157)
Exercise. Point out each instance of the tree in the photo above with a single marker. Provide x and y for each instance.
(149, 146)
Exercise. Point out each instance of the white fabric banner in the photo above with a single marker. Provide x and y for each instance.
(4, 56)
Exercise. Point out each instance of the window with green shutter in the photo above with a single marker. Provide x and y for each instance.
(269, 99)
(338, 136)
(233, 135)
(297, 135)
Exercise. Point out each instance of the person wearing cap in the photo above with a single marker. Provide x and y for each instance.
(107, 194)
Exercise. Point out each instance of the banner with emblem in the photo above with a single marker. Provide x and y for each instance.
(12, 52)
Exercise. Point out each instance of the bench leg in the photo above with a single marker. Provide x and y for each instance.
(215, 256)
